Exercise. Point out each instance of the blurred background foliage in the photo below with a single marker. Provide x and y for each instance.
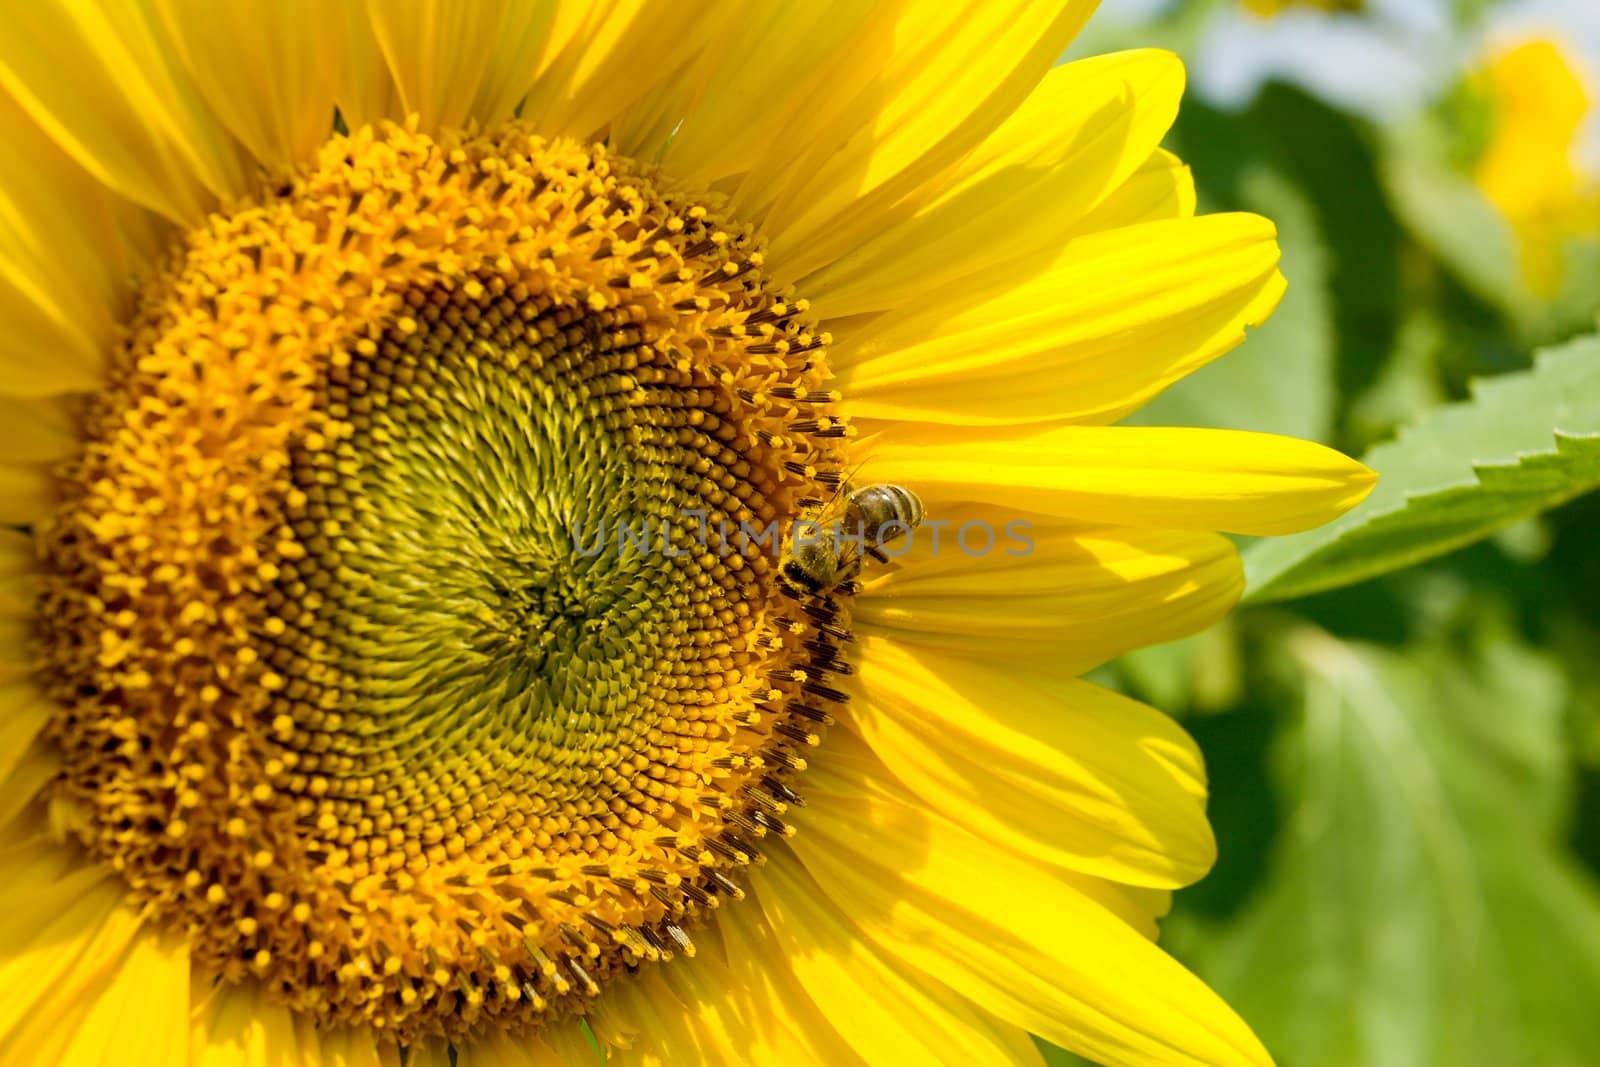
(1402, 723)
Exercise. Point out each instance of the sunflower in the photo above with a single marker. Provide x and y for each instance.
(1535, 99)
(339, 728)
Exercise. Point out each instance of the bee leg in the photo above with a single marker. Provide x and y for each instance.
(877, 553)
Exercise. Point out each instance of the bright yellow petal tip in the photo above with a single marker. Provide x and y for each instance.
(1228, 480)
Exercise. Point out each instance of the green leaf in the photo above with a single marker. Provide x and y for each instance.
(1202, 673)
(1281, 380)
(1469, 12)
(1330, 159)
(1447, 213)
(1450, 215)
(1408, 383)
(1420, 909)
(1525, 442)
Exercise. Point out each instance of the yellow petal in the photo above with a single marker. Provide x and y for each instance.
(669, 1029)
(234, 1025)
(37, 429)
(756, 78)
(68, 251)
(138, 1013)
(59, 918)
(1055, 769)
(887, 1015)
(271, 70)
(736, 1003)
(15, 654)
(1140, 907)
(82, 982)
(1231, 480)
(495, 1048)
(24, 711)
(349, 1046)
(34, 768)
(1162, 188)
(500, 1049)
(16, 555)
(27, 762)
(1021, 945)
(127, 112)
(1009, 585)
(237, 1025)
(532, 36)
(574, 1049)
(17, 584)
(27, 492)
(604, 57)
(1112, 320)
(364, 90)
(40, 356)
(445, 56)
(928, 88)
(1079, 135)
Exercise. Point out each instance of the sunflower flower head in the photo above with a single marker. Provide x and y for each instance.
(410, 647)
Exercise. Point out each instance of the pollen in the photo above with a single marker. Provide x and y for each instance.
(398, 659)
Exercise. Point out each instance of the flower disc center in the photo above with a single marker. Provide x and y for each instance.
(394, 661)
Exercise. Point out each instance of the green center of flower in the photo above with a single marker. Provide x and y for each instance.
(401, 660)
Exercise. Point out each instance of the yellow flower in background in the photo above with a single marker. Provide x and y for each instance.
(1270, 8)
(1537, 100)
(324, 733)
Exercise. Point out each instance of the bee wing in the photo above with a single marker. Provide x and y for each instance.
(833, 509)
(851, 480)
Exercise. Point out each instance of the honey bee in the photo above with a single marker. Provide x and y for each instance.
(828, 546)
